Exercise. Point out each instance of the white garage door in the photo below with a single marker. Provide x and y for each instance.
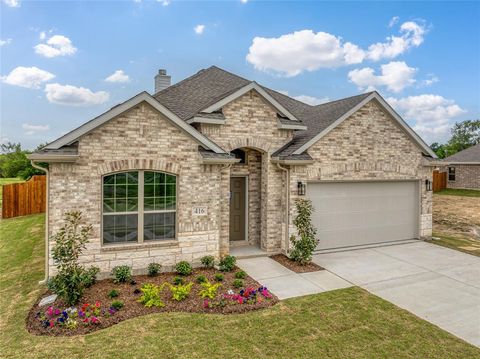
(358, 213)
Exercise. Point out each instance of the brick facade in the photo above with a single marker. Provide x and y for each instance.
(369, 145)
(466, 176)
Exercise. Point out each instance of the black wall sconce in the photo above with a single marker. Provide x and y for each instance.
(428, 185)
(302, 188)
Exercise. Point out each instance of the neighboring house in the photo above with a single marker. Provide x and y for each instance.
(463, 168)
(217, 160)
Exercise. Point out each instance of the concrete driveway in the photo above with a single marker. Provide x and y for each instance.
(437, 284)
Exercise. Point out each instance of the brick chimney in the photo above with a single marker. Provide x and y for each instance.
(162, 80)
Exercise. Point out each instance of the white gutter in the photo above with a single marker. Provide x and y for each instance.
(47, 249)
(287, 210)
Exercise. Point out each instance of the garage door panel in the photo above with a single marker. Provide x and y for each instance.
(350, 214)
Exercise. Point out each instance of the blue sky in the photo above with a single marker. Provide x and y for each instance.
(58, 58)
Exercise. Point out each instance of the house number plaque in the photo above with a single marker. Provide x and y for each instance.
(199, 211)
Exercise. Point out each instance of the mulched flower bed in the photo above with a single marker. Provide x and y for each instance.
(227, 301)
(294, 266)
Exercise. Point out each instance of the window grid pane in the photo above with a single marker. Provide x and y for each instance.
(120, 202)
(159, 191)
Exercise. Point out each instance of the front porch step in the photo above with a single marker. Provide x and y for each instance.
(243, 252)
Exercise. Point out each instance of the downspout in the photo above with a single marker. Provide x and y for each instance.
(224, 167)
(287, 209)
(47, 249)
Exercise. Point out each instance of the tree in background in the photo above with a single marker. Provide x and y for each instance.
(464, 135)
(14, 162)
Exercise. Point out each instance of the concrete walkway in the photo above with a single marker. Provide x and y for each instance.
(285, 283)
(437, 284)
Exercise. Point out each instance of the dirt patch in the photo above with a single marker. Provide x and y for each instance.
(129, 295)
(294, 266)
(457, 215)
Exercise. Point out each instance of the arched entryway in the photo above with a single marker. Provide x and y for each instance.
(245, 220)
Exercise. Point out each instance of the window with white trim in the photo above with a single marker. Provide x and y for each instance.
(451, 173)
(139, 206)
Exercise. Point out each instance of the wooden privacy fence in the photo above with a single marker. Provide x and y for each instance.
(20, 199)
(439, 181)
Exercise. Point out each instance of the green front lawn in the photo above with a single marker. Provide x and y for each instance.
(347, 323)
(462, 244)
(459, 192)
(4, 181)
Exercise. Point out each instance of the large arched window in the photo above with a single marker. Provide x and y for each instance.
(139, 206)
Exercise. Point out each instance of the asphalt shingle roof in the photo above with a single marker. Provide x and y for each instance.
(471, 154)
(208, 86)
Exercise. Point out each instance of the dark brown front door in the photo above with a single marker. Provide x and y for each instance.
(237, 208)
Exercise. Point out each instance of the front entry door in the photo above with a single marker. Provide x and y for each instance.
(237, 208)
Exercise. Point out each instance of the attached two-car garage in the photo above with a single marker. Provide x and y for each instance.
(361, 213)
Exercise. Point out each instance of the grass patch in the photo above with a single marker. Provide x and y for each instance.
(459, 192)
(462, 244)
(4, 181)
(347, 323)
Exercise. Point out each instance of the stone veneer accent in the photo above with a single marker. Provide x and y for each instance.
(466, 176)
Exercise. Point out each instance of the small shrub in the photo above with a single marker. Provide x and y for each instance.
(113, 293)
(153, 269)
(117, 304)
(151, 295)
(201, 278)
(305, 243)
(89, 277)
(219, 277)
(208, 261)
(240, 274)
(69, 243)
(137, 291)
(238, 283)
(122, 274)
(227, 263)
(181, 291)
(209, 290)
(178, 280)
(183, 268)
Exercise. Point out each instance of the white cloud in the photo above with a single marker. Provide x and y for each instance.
(393, 21)
(164, 2)
(57, 45)
(431, 114)
(396, 75)
(29, 77)
(243, 1)
(310, 100)
(304, 50)
(32, 129)
(430, 80)
(43, 35)
(412, 34)
(118, 77)
(74, 96)
(12, 3)
(5, 42)
(199, 29)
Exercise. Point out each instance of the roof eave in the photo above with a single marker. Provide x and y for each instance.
(287, 126)
(210, 121)
(292, 162)
(220, 161)
(51, 158)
